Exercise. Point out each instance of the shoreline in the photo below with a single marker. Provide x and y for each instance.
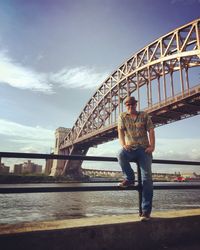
(32, 179)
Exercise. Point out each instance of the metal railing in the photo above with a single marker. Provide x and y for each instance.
(138, 187)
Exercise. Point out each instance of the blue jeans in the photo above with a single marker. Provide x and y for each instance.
(144, 161)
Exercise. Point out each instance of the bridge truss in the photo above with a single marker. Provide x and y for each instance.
(163, 76)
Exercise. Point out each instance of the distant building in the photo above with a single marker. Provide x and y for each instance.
(31, 168)
(18, 169)
(37, 169)
(4, 169)
(27, 168)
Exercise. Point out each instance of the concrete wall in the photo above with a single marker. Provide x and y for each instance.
(179, 229)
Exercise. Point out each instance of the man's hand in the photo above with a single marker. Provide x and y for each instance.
(127, 147)
(149, 149)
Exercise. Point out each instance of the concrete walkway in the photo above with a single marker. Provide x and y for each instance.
(173, 230)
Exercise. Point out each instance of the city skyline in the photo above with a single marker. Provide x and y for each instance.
(26, 167)
(55, 54)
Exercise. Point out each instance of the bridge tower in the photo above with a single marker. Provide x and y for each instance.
(67, 167)
(58, 165)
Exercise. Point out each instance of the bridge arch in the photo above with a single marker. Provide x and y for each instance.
(151, 75)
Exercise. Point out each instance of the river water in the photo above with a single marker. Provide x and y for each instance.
(17, 208)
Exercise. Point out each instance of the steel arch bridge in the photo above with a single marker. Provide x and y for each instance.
(163, 76)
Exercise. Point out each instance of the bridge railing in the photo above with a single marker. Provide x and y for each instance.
(138, 187)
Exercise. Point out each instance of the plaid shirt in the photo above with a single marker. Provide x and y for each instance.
(135, 129)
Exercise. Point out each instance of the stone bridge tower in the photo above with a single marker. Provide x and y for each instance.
(58, 165)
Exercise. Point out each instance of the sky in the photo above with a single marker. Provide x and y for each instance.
(55, 54)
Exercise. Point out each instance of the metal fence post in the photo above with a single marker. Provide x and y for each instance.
(139, 188)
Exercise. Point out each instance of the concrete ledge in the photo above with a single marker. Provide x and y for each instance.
(166, 229)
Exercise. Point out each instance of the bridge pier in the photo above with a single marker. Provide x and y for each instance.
(58, 165)
(73, 167)
(70, 168)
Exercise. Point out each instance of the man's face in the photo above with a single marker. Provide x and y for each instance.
(131, 107)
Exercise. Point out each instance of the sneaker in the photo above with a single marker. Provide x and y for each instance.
(145, 217)
(126, 183)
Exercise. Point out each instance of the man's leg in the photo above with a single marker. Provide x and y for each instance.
(144, 160)
(124, 158)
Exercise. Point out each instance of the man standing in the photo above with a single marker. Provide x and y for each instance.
(137, 138)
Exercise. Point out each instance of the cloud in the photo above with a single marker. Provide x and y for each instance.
(19, 76)
(80, 77)
(178, 149)
(23, 138)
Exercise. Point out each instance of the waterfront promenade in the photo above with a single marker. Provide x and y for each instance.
(175, 230)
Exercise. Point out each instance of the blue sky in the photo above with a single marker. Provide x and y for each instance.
(55, 54)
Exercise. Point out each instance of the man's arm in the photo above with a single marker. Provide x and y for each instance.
(151, 146)
(121, 136)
